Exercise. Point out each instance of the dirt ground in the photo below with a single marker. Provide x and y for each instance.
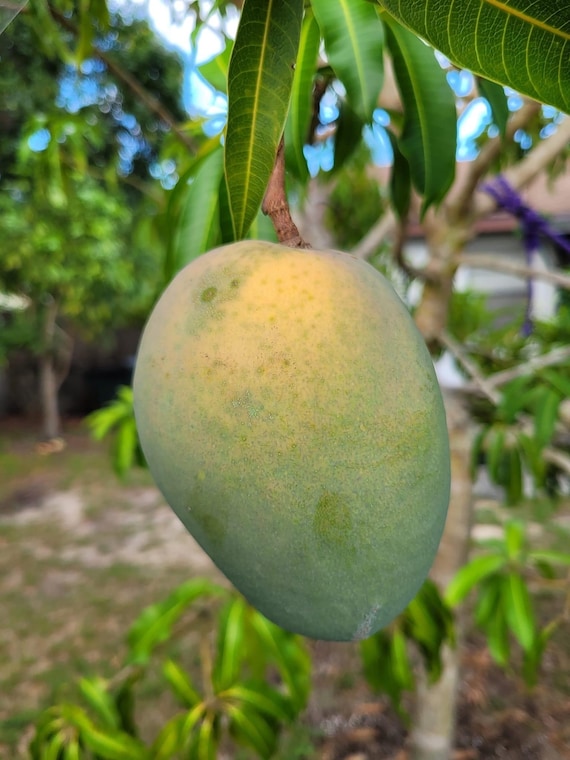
(81, 554)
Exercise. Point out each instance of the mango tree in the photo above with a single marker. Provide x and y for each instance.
(307, 79)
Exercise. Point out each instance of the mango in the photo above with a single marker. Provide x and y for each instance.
(289, 412)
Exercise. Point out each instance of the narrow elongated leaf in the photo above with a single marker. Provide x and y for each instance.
(514, 539)
(488, 599)
(300, 112)
(113, 746)
(429, 136)
(469, 575)
(400, 179)
(181, 683)
(519, 43)
(155, 622)
(198, 222)
(262, 698)
(215, 71)
(230, 644)
(498, 637)
(518, 610)
(497, 99)
(259, 88)
(94, 691)
(206, 740)
(253, 729)
(546, 415)
(354, 43)
(550, 556)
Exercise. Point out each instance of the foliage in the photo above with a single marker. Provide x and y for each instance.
(530, 41)
(254, 680)
(427, 624)
(504, 607)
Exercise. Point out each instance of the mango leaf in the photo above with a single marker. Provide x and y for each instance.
(429, 137)
(94, 691)
(113, 745)
(495, 95)
(300, 112)
(471, 574)
(550, 556)
(546, 415)
(514, 539)
(497, 634)
(259, 88)
(400, 179)
(231, 633)
(383, 673)
(518, 610)
(71, 750)
(558, 379)
(488, 598)
(261, 698)
(155, 623)
(533, 656)
(348, 134)
(354, 44)
(215, 71)
(197, 224)
(517, 43)
(249, 726)
(206, 742)
(514, 476)
(181, 684)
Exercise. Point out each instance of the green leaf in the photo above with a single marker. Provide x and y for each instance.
(94, 691)
(514, 42)
(400, 179)
(518, 610)
(488, 599)
(546, 415)
(301, 110)
(259, 88)
(113, 745)
(470, 575)
(429, 137)
(155, 623)
(401, 661)
(354, 43)
(495, 95)
(558, 379)
(125, 446)
(348, 135)
(550, 556)
(55, 747)
(181, 684)
(72, 750)
(289, 653)
(262, 698)
(495, 447)
(497, 634)
(514, 476)
(215, 71)
(253, 729)
(206, 743)
(230, 644)
(198, 221)
(515, 539)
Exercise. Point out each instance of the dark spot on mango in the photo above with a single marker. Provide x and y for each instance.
(208, 295)
(332, 522)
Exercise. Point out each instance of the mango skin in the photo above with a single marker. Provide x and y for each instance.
(290, 414)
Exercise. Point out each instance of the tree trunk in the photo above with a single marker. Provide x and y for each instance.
(48, 377)
(433, 733)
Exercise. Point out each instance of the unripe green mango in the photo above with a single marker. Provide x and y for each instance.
(289, 412)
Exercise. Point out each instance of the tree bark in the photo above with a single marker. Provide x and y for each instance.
(51, 426)
(433, 733)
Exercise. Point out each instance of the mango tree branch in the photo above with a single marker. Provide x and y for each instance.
(276, 205)
(153, 104)
(491, 263)
(489, 153)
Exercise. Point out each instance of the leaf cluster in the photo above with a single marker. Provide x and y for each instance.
(255, 679)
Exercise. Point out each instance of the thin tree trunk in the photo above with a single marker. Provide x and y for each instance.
(433, 733)
(48, 377)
